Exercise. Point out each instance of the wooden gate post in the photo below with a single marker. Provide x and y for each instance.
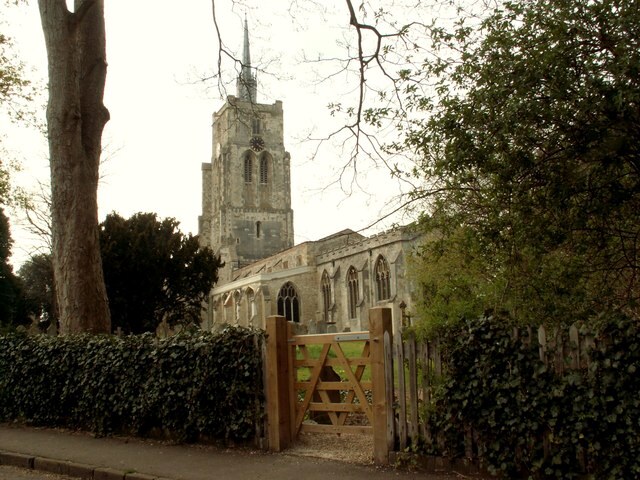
(379, 327)
(277, 392)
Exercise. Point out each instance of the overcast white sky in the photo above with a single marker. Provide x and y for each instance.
(160, 128)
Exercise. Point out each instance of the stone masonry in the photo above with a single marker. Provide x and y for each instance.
(247, 219)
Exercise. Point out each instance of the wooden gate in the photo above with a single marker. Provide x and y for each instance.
(329, 396)
(310, 375)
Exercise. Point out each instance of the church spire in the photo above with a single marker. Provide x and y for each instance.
(247, 84)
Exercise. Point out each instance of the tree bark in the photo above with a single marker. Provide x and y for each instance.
(76, 117)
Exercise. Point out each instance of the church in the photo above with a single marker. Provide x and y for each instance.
(321, 286)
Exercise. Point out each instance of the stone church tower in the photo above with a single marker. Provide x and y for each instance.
(246, 188)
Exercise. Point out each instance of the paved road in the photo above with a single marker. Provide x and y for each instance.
(184, 462)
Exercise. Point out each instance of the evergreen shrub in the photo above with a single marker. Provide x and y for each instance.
(187, 387)
(588, 420)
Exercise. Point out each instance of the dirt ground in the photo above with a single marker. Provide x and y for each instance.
(13, 473)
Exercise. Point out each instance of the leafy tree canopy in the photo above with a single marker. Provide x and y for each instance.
(37, 277)
(12, 311)
(15, 87)
(153, 271)
(530, 154)
(17, 95)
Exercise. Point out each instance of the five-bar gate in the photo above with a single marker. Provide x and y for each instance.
(313, 386)
(327, 391)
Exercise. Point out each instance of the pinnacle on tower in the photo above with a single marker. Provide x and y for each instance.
(247, 84)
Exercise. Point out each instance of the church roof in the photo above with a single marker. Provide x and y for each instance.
(342, 233)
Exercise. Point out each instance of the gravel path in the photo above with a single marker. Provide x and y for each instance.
(349, 448)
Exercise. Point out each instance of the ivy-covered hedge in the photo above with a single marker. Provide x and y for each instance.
(189, 386)
(498, 386)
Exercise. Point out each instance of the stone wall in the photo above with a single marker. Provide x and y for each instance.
(395, 246)
(304, 266)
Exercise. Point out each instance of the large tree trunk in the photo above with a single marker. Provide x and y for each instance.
(76, 117)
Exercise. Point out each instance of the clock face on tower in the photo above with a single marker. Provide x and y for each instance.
(257, 144)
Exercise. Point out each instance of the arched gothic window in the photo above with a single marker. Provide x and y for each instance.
(383, 287)
(256, 126)
(248, 168)
(288, 303)
(264, 169)
(227, 312)
(352, 288)
(250, 295)
(258, 229)
(326, 296)
(236, 303)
